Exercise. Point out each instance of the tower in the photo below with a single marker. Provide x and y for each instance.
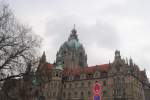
(55, 84)
(72, 54)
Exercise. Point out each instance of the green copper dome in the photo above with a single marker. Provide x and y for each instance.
(73, 43)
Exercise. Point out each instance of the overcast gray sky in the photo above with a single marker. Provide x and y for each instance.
(103, 26)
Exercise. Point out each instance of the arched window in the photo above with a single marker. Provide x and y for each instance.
(82, 84)
(89, 84)
(64, 85)
(69, 94)
(89, 93)
(96, 75)
(64, 95)
(82, 94)
(75, 93)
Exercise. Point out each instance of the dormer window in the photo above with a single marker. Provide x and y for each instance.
(89, 76)
(104, 74)
(96, 75)
(83, 76)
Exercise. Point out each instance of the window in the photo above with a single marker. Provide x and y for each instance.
(64, 95)
(75, 93)
(89, 93)
(70, 85)
(96, 74)
(82, 84)
(55, 85)
(76, 84)
(50, 94)
(64, 85)
(104, 75)
(118, 68)
(104, 83)
(89, 76)
(65, 52)
(69, 94)
(82, 94)
(56, 74)
(60, 74)
(54, 93)
(82, 76)
(52, 84)
(104, 93)
(89, 84)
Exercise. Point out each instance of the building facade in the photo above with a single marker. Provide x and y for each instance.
(70, 77)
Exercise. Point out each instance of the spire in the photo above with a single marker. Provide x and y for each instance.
(43, 58)
(74, 26)
(74, 31)
(28, 69)
(73, 34)
(117, 54)
(131, 61)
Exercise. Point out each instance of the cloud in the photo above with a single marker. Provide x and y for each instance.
(96, 38)
(102, 26)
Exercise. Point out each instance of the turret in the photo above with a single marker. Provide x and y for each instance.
(56, 83)
(131, 62)
(42, 63)
(43, 58)
(117, 55)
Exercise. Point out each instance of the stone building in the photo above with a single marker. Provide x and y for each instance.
(70, 77)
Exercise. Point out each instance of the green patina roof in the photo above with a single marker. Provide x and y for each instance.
(74, 44)
(59, 66)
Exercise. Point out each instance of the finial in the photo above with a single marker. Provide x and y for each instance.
(74, 26)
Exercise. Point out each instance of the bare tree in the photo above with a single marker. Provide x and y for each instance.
(18, 45)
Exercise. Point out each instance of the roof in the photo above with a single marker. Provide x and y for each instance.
(87, 70)
(49, 66)
(90, 70)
